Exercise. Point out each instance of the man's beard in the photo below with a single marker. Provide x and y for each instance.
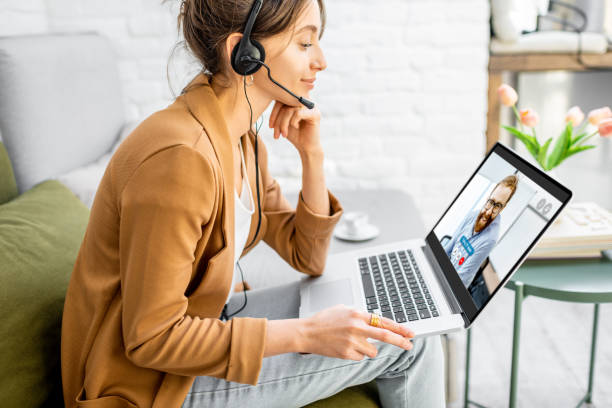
(482, 216)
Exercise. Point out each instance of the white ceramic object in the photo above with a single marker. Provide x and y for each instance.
(354, 226)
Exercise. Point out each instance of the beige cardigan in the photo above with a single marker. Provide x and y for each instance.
(155, 266)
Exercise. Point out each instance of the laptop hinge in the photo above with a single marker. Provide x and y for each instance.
(448, 292)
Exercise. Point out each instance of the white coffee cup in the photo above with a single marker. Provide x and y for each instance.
(354, 221)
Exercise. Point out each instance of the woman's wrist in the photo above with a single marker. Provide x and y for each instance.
(285, 336)
(313, 155)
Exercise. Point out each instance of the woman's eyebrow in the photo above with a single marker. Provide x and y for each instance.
(310, 27)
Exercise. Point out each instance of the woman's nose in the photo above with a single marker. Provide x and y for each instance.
(319, 62)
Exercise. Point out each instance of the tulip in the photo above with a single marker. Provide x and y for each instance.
(529, 117)
(507, 95)
(574, 115)
(597, 115)
(605, 128)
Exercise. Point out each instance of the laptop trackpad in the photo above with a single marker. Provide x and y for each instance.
(327, 294)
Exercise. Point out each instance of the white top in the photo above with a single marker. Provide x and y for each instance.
(243, 210)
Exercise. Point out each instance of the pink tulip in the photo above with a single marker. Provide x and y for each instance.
(605, 128)
(529, 117)
(597, 115)
(507, 95)
(574, 115)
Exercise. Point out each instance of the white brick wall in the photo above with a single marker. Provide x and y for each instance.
(403, 98)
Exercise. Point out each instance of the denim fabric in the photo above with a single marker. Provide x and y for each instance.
(405, 378)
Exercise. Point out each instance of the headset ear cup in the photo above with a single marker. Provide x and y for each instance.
(262, 52)
(252, 48)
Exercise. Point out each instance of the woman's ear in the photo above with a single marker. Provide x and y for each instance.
(231, 42)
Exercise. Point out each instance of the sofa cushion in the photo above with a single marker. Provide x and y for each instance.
(40, 235)
(84, 181)
(8, 187)
(61, 105)
(359, 396)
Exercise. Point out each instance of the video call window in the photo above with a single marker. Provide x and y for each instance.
(491, 224)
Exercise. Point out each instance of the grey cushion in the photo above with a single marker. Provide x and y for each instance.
(60, 104)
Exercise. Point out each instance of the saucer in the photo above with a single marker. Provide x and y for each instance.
(365, 233)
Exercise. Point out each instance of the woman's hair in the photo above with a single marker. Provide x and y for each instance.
(206, 25)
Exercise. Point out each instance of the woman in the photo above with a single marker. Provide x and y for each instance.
(173, 212)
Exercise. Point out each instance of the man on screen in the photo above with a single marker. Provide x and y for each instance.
(478, 232)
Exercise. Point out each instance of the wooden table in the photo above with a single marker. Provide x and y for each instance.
(516, 63)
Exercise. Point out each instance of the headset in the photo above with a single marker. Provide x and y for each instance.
(246, 59)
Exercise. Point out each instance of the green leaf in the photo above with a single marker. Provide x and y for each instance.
(561, 147)
(578, 138)
(542, 153)
(529, 141)
(577, 149)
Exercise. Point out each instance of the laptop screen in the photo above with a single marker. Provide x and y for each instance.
(497, 217)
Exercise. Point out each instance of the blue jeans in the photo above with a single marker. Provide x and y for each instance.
(405, 378)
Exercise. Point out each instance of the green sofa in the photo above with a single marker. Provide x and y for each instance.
(41, 231)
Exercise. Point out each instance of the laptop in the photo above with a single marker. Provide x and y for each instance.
(441, 283)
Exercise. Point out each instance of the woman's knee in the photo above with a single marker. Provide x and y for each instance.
(425, 351)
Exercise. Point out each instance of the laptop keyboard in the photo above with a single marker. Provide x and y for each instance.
(394, 286)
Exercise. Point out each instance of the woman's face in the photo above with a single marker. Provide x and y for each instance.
(296, 65)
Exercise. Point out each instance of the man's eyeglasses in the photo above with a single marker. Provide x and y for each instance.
(497, 207)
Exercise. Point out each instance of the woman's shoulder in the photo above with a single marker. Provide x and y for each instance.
(171, 126)
(165, 129)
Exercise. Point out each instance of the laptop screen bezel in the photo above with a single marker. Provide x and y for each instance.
(547, 183)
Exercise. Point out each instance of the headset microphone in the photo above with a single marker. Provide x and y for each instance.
(302, 100)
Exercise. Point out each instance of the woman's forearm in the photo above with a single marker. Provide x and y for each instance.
(314, 190)
(284, 336)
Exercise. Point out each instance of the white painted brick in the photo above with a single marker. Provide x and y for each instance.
(341, 13)
(128, 70)
(152, 69)
(334, 105)
(142, 47)
(372, 168)
(403, 99)
(113, 28)
(151, 24)
(64, 8)
(425, 59)
(393, 80)
(345, 60)
(385, 103)
(113, 8)
(143, 91)
(388, 58)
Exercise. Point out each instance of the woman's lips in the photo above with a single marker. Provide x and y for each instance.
(309, 82)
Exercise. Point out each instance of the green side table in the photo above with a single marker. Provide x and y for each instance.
(582, 281)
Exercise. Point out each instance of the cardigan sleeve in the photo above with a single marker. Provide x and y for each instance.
(300, 236)
(163, 209)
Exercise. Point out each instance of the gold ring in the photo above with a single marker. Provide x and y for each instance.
(375, 320)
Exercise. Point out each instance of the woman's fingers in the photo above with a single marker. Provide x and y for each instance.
(276, 123)
(391, 325)
(296, 118)
(275, 109)
(284, 119)
(366, 348)
(388, 336)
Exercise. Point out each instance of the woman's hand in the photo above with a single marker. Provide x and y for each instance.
(298, 125)
(342, 332)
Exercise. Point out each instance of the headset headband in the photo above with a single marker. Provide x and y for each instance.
(247, 47)
(251, 20)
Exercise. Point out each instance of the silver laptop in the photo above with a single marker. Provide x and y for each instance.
(442, 282)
